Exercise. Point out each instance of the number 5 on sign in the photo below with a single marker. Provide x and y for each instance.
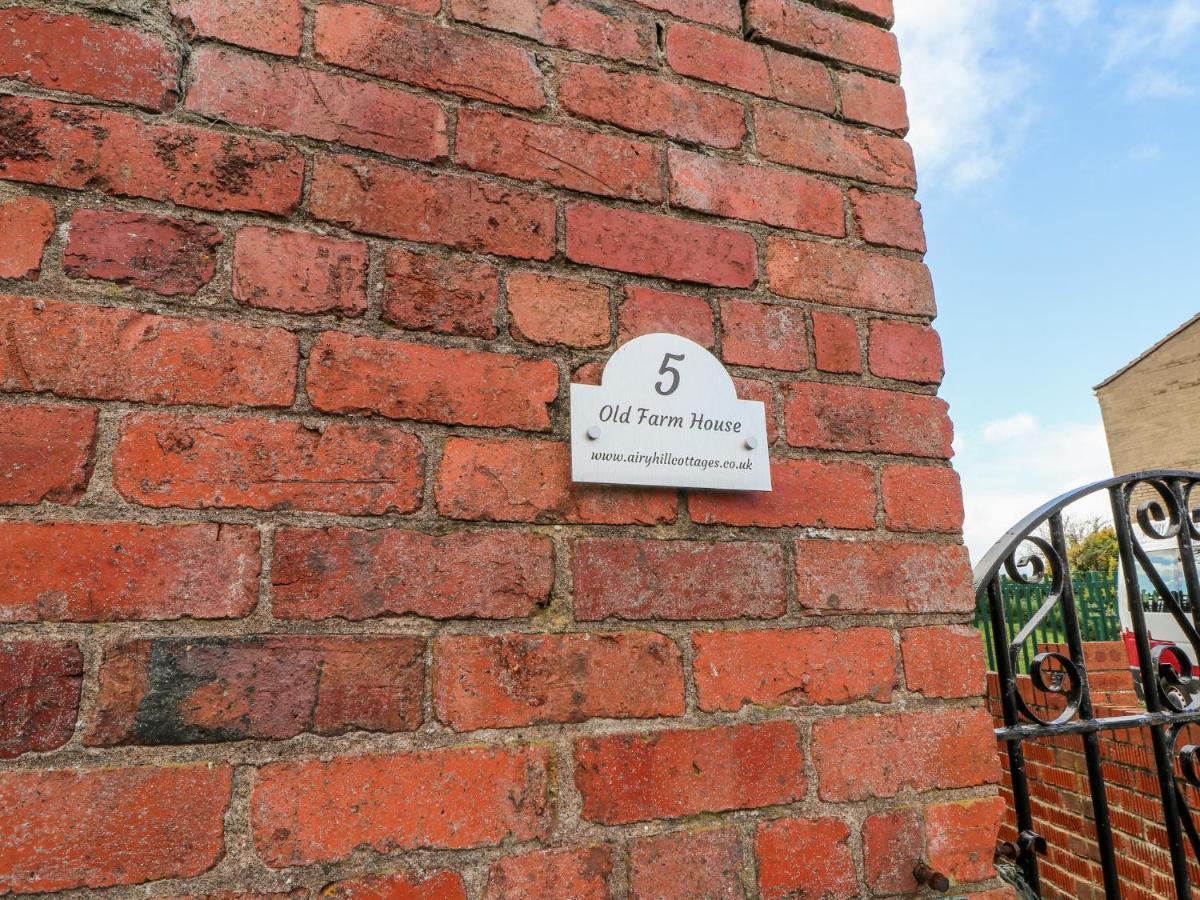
(665, 369)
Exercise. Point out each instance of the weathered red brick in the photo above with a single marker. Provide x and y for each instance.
(251, 90)
(401, 48)
(892, 220)
(848, 417)
(589, 27)
(82, 572)
(943, 660)
(797, 25)
(460, 211)
(725, 14)
(922, 498)
(905, 350)
(764, 393)
(799, 858)
(632, 579)
(77, 350)
(835, 337)
(811, 141)
(199, 462)
(879, 756)
(26, 224)
(84, 56)
(684, 865)
(646, 311)
(734, 62)
(449, 798)
(884, 10)
(891, 847)
(755, 193)
(272, 25)
(660, 246)
(46, 453)
(157, 253)
(299, 272)
(864, 577)
(550, 310)
(667, 774)
(354, 373)
(65, 829)
(793, 668)
(579, 874)
(769, 335)
(363, 574)
(645, 103)
(565, 157)
(76, 147)
(961, 837)
(873, 101)
(447, 294)
(803, 492)
(443, 885)
(537, 487)
(823, 273)
(39, 695)
(270, 687)
(505, 681)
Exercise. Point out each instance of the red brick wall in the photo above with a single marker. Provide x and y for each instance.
(296, 588)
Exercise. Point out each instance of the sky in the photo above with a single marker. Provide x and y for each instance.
(1058, 154)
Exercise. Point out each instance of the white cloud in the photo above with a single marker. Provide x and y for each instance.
(1155, 84)
(1013, 426)
(1146, 40)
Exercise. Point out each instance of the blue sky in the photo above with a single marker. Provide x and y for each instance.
(1058, 148)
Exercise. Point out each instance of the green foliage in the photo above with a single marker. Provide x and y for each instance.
(1096, 552)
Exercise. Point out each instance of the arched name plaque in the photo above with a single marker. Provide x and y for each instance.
(666, 413)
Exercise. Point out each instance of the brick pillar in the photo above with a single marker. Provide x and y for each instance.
(297, 591)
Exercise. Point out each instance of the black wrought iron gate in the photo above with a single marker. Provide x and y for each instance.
(1155, 510)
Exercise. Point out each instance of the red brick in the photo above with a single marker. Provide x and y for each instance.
(943, 660)
(632, 579)
(579, 874)
(725, 14)
(157, 253)
(905, 350)
(892, 220)
(448, 798)
(565, 157)
(836, 339)
(80, 572)
(537, 487)
(659, 246)
(734, 62)
(961, 837)
(884, 10)
(646, 311)
(763, 334)
(879, 756)
(639, 102)
(446, 294)
(198, 462)
(83, 56)
(848, 417)
(67, 829)
(549, 310)
(922, 498)
(272, 25)
(463, 212)
(755, 193)
(26, 224)
(444, 885)
(401, 48)
(299, 272)
(250, 90)
(810, 141)
(865, 577)
(667, 774)
(506, 681)
(805, 858)
(793, 668)
(797, 25)
(803, 492)
(892, 842)
(270, 687)
(364, 574)
(873, 101)
(77, 147)
(823, 273)
(685, 865)
(39, 695)
(764, 393)
(46, 453)
(76, 350)
(591, 28)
